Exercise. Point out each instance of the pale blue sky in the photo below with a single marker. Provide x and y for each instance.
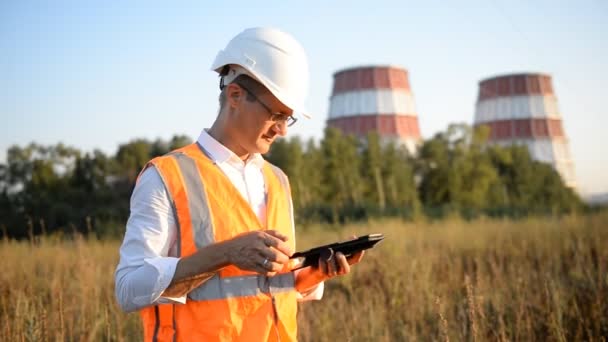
(94, 74)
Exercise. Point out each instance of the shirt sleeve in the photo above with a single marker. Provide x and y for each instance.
(147, 259)
(316, 293)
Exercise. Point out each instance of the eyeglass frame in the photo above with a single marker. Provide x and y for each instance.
(279, 117)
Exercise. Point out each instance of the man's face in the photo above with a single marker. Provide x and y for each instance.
(250, 119)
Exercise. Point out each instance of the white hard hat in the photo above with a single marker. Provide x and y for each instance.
(273, 58)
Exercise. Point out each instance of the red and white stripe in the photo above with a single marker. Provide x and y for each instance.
(376, 98)
(522, 109)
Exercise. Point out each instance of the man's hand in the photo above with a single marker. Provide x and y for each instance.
(330, 265)
(265, 252)
(335, 264)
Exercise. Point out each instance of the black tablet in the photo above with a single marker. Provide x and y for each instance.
(348, 248)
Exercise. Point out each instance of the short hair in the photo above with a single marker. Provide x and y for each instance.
(248, 82)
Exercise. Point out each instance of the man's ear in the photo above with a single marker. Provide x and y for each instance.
(234, 93)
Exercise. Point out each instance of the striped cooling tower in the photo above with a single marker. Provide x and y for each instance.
(522, 109)
(376, 98)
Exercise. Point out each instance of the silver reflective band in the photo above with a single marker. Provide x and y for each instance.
(243, 286)
(200, 215)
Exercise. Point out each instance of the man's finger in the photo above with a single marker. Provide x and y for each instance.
(268, 266)
(275, 256)
(342, 262)
(276, 234)
(273, 267)
(322, 266)
(329, 268)
(355, 258)
(278, 244)
(329, 257)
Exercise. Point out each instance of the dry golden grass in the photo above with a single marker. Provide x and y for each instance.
(62, 291)
(537, 279)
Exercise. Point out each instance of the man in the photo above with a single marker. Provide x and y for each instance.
(206, 252)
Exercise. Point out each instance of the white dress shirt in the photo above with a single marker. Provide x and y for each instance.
(148, 257)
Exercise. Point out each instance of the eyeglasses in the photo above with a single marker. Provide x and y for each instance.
(281, 118)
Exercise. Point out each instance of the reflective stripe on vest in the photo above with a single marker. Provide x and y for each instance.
(242, 286)
(197, 202)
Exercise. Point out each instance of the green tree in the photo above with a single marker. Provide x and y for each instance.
(132, 157)
(433, 168)
(343, 186)
(398, 175)
(530, 186)
(475, 174)
(311, 175)
(372, 175)
(456, 171)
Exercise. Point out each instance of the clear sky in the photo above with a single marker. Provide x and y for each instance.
(94, 74)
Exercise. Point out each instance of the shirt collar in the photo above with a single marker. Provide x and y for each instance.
(221, 154)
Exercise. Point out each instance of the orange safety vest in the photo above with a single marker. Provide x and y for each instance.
(234, 305)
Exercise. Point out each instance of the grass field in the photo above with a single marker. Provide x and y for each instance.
(530, 280)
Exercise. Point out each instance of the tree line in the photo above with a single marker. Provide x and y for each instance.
(59, 189)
